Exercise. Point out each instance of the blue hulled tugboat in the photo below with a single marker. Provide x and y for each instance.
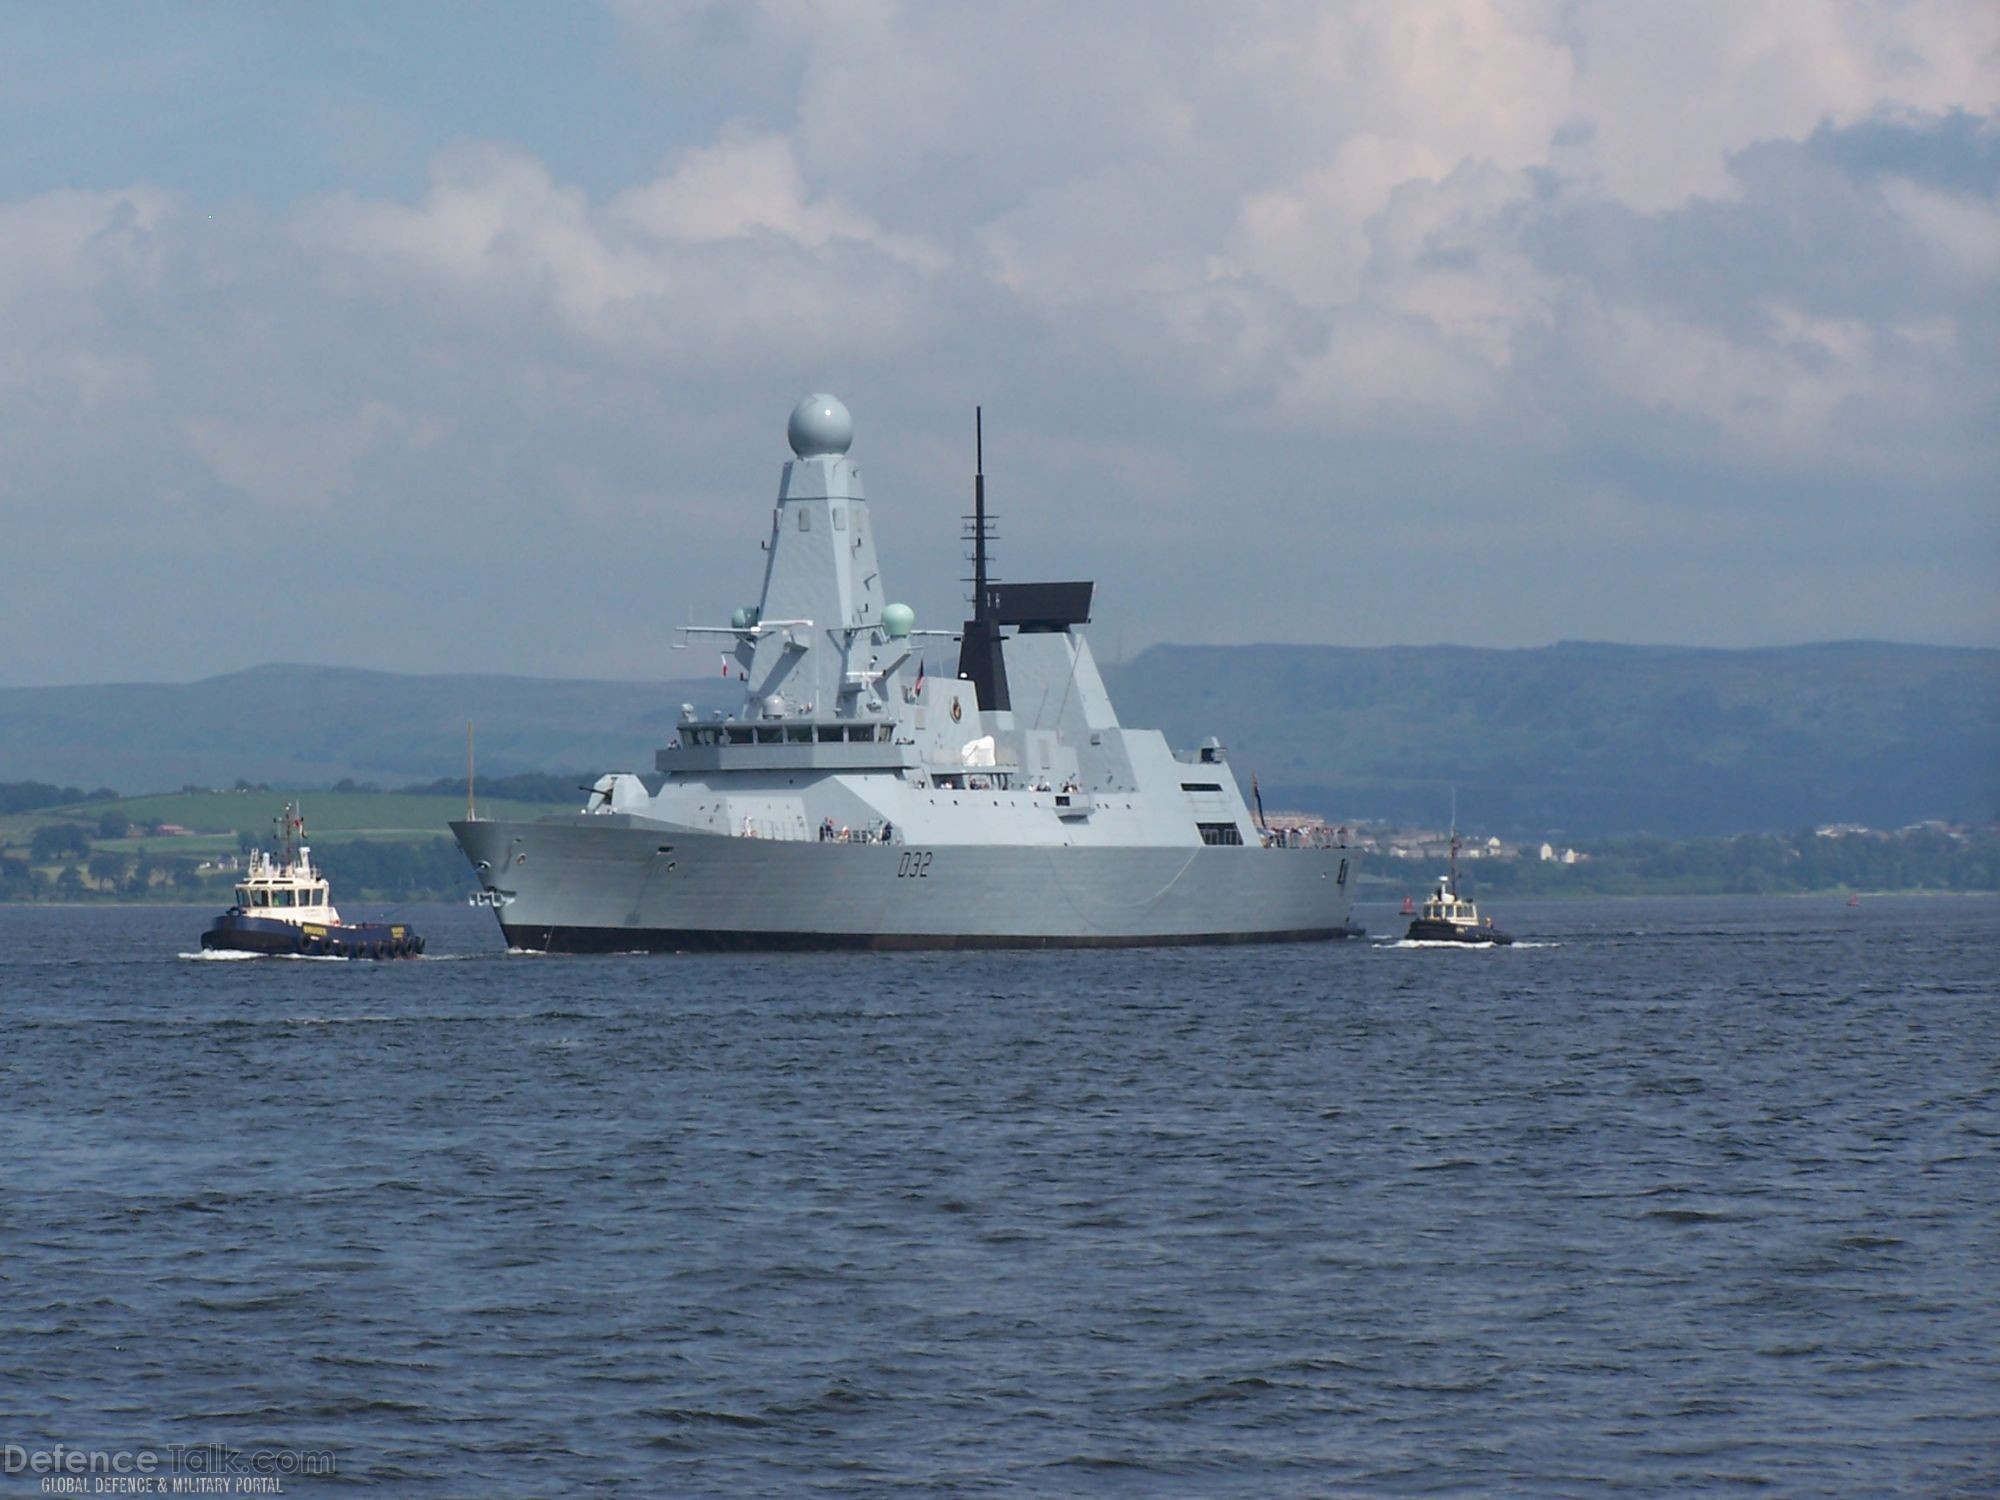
(283, 907)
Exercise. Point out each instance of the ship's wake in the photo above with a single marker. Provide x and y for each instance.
(1469, 947)
(231, 955)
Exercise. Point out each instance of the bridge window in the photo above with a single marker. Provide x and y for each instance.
(1201, 786)
(1220, 833)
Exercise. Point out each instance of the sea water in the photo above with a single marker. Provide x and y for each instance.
(1673, 1197)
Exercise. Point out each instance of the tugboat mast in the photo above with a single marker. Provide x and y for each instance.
(1452, 864)
(291, 828)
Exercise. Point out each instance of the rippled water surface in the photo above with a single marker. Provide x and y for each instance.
(1698, 1196)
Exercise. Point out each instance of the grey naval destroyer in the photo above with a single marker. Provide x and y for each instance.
(856, 800)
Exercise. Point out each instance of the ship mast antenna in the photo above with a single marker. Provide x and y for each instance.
(979, 512)
(979, 654)
(1454, 838)
(470, 815)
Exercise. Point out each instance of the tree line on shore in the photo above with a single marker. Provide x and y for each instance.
(32, 796)
(63, 859)
(362, 869)
(526, 786)
(1915, 859)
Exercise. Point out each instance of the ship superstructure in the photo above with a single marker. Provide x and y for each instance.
(856, 798)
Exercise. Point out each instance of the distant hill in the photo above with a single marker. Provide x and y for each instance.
(1583, 739)
(1594, 739)
(312, 726)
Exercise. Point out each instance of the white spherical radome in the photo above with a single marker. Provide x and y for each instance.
(820, 427)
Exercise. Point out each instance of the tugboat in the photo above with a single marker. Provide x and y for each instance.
(283, 907)
(1447, 919)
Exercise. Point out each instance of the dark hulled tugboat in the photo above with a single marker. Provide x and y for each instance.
(283, 907)
(1447, 919)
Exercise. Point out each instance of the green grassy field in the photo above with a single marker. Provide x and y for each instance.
(329, 815)
(335, 821)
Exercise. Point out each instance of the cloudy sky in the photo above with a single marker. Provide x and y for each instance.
(462, 337)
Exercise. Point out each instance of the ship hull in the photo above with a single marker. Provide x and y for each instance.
(240, 933)
(579, 885)
(1424, 931)
(698, 940)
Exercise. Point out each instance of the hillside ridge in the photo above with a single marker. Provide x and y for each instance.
(1586, 737)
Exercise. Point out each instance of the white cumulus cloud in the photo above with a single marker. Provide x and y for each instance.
(1576, 285)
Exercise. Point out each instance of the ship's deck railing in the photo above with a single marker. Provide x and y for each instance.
(874, 833)
(949, 776)
(794, 830)
(1306, 836)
